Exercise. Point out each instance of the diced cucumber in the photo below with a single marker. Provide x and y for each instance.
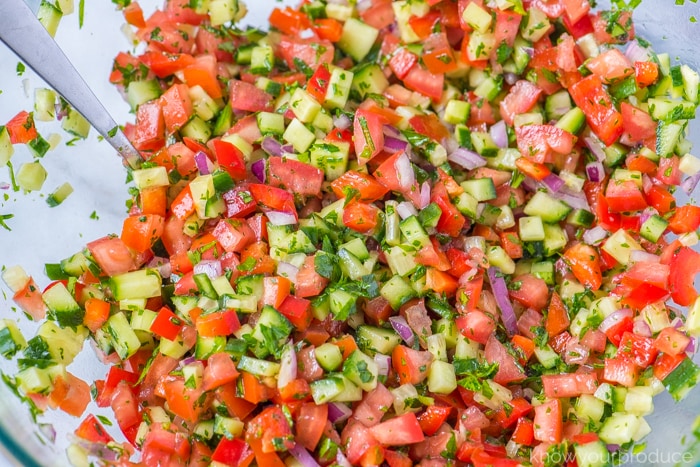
(205, 347)
(351, 265)
(31, 176)
(262, 59)
(258, 367)
(6, 148)
(557, 105)
(228, 427)
(357, 38)
(535, 26)
(619, 428)
(224, 121)
(669, 110)
(223, 11)
(681, 380)
(369, 79)
(123, 338)
(691, 83)
(667, 136)
(620, 246)
(298, 135)
(653, 228)
(544, 270)
(44, 105)
(49, 15)
(140, 92)
(11, 338)
(144, 283)
(372, 340)
(327, 389)
(441, 377)
(270, 123)
(481, 189)
(581, 218)
(415, 234)
(266, 340)
(62, 306)
(75, 124)
(547, 208)
(197, 129)
(589, 408)
(35, 380)
(554, 239)
(339, 86)
(328, 356)
(150, 177)
(484, 144)
(498, 257)
(397, 291)
(360, 369)
(332, 158)
(546, 356)
(457, 111)
(531, 229)
(639, 400)
(593, 454)
(572, 121)
(304, 106)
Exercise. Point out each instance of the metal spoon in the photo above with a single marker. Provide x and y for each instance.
(22, 32)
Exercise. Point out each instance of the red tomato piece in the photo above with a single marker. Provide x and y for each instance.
(295, 176)
(401, 430)
(684, 267)
(596, 103)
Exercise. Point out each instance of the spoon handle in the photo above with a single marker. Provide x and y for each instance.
(22, 32)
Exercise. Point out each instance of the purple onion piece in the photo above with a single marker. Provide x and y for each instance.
(271, 146)
(281, 218)
(402, 328)
(613, 447)
(187, 361)
(392, 131)
(637, 256)
(211, 268)
(499, 134)
(4, 186)
(404, 172)
(202, 162)
(510, 78)
(342, 122)
(393, 144)
(288, 149)
(258, 169)
(596, 147)
(341, 460)
(576, 200)
(338, 412)
(500, 293)
(383, 363)
(288, 366)
(406, 209)
(48, 430)
(595, 171)
(553, 182)
(288, 270)
(530, 184)
(594, 235)
(636, 53)
(303, 456)
(689, 184)
(61, 111)
(641, 328)
(692, 346)
(466, 159)
(424, 195)
(614, 318)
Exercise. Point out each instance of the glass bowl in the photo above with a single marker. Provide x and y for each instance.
(42, 234)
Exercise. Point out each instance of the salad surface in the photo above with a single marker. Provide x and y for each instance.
(396, 232)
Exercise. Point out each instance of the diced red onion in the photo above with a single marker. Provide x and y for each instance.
(404, 171)
(689, 184)
(636, 53)
(646, 183)
(596, 147)
(363, 5)
(4, 186)
(641, 328)
(553, 182)
(637, 256)
(595, 171)
(677, 322)
(97, 449)
(510, 78)
(450, 144)
(338, 412)
(613, 447)
(402, 328)
(211, 268)
(393, 144)
(424, 195)
(48, 430)
(498, 133)
(271, 146)
(342, 122)
(466, 158)
(530, 185)
(162, 264)
(341, 460)
(281, 218)
(202, 162)
(576, 353)
(646, 214)
(691, 346)
(530, 51)
(187, 361)
(383, 363)
(391, 131)
(288, 270)
(288, 149)
(576, 200)
(61, 111)
(594, 235)
(258, 169)
(288, 366)
(500, 292)
(406, 209)
(303, 456)
(614, 318)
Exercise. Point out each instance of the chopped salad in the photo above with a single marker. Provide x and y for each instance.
(415, 232)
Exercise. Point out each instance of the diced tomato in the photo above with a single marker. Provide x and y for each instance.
(309, 282)
(410, 365)
(685, 219)
(521, 98)
(354, 184)
(126, 410)
(569, 385)
(21, 128)
(92, 430)
(430, 126)
(274, 199)
(231, 451)
(438, 55)
(476, 325)
(666, 363)
(295, 176)
(533, 291)
(310, 424)
(597, 105)
(645, 73)
(661, 199)
(684, 267)
(368, 135)
(671, 341)
(402, 61)
(610, 66)
(112, 255)
(638, 125)
(538, 142)
(329, 29)
(432, 418)
(451, 220)
(289, 20)
(150, 127)
(585, 264)
(421, 80)
(246, 96)
(548, 421)
(397, 431)
(272, 429)
(621, 370)
(319, 82)
(309, 52)
(509, 370)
